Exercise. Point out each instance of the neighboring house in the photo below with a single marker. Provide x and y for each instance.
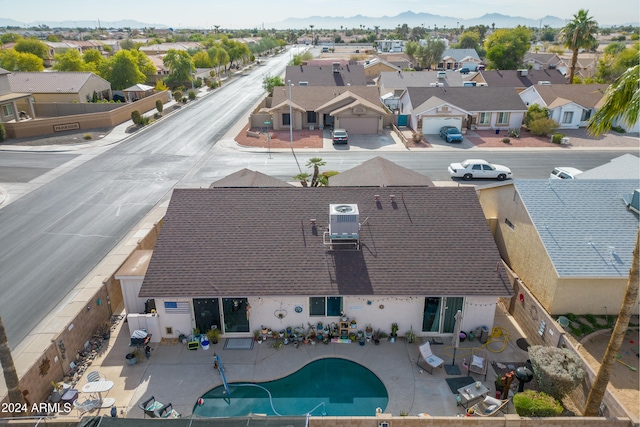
(544, 61)
(518, 79)
(379, 172)
(585, 67)
(336, 74)
(393, 82)
(480, 108)
(162, 70)
(9, 100)
(249, 179)
(356, 108)
(400, 60)
(626, 166)
(375, 66)
(89, 45)
(569, 105)
(453, 59)
(60, 86)
(139, 91)
(163, 48)
(239, 258)
(58, 48)
(393, 46)
(569, 241)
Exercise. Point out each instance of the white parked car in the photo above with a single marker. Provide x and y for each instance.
(477, 168)
(564, 172)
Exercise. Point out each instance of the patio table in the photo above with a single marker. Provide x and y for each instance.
(100, 387)
(469, 394)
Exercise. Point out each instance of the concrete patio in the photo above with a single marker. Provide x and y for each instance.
(179, 376)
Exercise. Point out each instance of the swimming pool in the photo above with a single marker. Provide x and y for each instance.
(332, 386)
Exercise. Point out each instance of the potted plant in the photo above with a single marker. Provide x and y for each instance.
(256, 335)
(394, 332)
(411, 336)
(213, 335)
(132, 357)
(105, 330)
(376, 337)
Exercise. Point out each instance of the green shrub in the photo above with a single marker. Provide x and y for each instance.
(88, 136)
(572, 317)
(618, 129)
(145, 120)
(557, 138)
(3, 133)
(591, 319)
(585, 329)
(135, 117)
(192, 95)
(177, 95)
(535, 112)
(506, 140)
(514, 132)
(543, 126)
(531, 403)
(557, 370)
(159, 106)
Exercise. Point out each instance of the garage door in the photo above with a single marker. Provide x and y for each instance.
(360, 126)
(432, 125)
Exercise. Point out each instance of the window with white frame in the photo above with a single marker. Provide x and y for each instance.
(586, 115)
(567, 117)
(503, 119)
(325, 306)
(7, 110)
(484, 119)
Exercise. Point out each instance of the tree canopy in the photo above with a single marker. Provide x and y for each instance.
(506, 47)
(12, 60)
(122, 70)
(430, 53)
(70, 60)
(34, 46)
(622, 103)
(180, 66)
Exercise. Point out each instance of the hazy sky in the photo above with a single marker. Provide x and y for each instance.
(254, 13)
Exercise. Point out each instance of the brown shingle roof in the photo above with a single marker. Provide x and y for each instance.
(379, 172)
(311, 97)
(248, 178)
(257, 242)
(588, 96)
(512, 78)
(323, 75)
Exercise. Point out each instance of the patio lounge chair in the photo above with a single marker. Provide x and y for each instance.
(87, 405)
(166, 411)
(149, 406)
(431, 360)
(489, 407)
(479, 362)
(94, 376)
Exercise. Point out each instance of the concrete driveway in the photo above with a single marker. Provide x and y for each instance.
(386, 141)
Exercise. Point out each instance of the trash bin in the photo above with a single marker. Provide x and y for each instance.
(484, 337)
(497, 131)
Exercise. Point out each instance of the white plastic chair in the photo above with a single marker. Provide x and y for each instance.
(431, 359)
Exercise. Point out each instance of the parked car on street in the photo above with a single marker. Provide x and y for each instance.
(477, 168)
(564, 172)
(450, 134)
(340, 136)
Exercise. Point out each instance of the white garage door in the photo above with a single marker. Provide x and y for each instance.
(360, 126)
(432, 125)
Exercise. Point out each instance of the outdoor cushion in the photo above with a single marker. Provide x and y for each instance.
(478, 361)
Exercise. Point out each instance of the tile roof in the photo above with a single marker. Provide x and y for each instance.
(248, 178)
(323, 75)
(579, 221)
(392, 80)
(460, 54)
(512, 78)
(260, 241)
(50, 82)
(311, 97)
(479, 98)
(379, 172)
(587, 96)
(626, 166)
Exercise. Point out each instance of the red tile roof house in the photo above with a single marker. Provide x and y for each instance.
(239, 259)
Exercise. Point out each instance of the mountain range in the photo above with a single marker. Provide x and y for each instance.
(410, 18)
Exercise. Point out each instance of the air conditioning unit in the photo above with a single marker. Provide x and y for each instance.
(523, 72)
(442, 74)
(344, 221)
(544, 82)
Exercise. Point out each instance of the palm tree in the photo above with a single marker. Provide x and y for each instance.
(302, 177)
(315, 162)
(579, 34)
(615, 342)
(10, 374)
(622, 101)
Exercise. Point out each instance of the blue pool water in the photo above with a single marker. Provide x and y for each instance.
(334, 387)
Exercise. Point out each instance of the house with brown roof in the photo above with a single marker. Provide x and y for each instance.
(481, 108)
(355, 108)
(518, 79)
(9, 110)
(544, 61)
(336, 74)
(238, 259)
(379, 172)
(569, 105)
(60, 86)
